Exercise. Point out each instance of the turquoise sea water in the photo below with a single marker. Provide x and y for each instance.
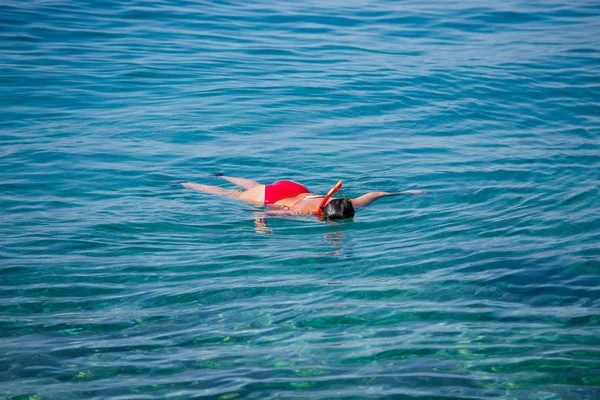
(115, 285)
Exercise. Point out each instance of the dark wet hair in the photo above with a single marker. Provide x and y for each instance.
(338, 209)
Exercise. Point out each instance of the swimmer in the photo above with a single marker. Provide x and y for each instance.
(291, 198)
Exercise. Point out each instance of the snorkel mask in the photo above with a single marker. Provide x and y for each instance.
(331, 192)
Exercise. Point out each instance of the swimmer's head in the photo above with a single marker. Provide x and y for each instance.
(338, 209)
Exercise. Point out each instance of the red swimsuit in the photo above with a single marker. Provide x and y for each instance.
(282, 190)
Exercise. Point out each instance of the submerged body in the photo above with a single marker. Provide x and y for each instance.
(288, 197)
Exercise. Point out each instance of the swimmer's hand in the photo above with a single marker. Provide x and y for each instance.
(261, 227)
(407, 192)
(177, 183)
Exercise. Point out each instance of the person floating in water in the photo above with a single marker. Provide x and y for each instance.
(291, 198)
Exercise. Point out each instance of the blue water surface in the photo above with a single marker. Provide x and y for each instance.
(114, 284)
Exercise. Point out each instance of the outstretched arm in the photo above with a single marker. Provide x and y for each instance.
(368, 198)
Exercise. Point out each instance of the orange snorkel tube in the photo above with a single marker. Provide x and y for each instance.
(331, 192)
